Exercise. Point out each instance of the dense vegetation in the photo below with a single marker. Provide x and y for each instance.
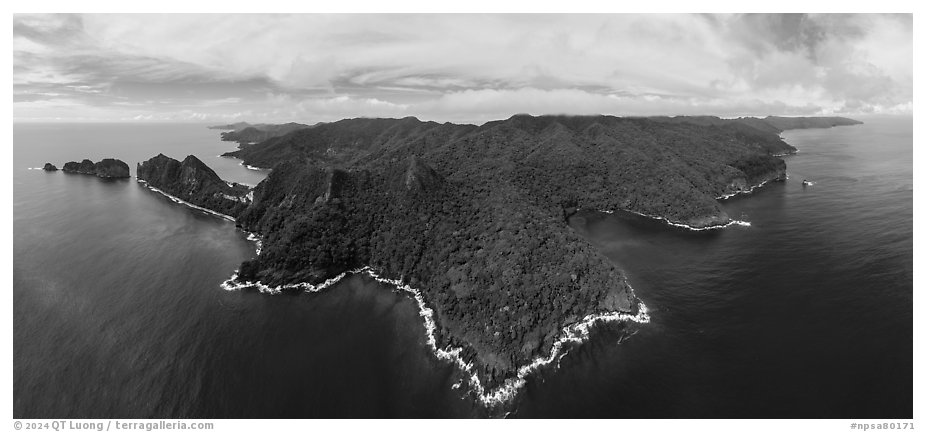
(503, 276)
(785, 123)
(194, 182)
(771, 125)
(245, 133)
(231, 126)
(668, 167)
(473, 216)
(106, 168)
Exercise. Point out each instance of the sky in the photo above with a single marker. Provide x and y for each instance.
(460, 68)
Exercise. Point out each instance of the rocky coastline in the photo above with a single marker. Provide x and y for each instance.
(471, 219)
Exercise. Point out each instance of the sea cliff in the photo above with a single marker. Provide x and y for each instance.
(194, 182)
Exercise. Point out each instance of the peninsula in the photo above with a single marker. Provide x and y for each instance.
(246, 134)
(474, 217)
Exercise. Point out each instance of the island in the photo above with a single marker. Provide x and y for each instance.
(106, 168)
(49, 167)
(473, 219)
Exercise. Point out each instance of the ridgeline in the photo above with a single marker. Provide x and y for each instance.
(194, 182)
(474, 217)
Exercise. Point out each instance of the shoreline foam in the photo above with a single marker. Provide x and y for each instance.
(746, 191)
(754, 187)
(251, 236)
(681, 225)
(186, 203)
(575, 333)
(791, 153)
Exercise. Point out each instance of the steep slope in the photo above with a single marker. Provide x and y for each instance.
(502, 275)
(674, 171)
(194, 182)
(473, 217)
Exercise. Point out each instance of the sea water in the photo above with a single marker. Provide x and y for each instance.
(119, 312)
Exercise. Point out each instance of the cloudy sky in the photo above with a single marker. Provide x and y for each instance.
(460, 68)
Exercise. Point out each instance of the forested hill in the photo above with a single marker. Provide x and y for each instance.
(669, 168)
(770, 124)
(474, 216)
(246, 133)
(786, 123)
(502, 275)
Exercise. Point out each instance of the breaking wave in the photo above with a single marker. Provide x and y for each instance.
(251, 236)
(686, 226)
(182, 202)
(570, 335)
(743, 192)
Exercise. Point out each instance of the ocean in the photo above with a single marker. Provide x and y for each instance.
(118, 309)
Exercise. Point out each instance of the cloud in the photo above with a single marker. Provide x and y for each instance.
(327, 109)
(465, 67)
(831, 59)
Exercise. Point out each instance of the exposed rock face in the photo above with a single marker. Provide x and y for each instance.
(49, 167)
(107, 168)
(194, 182)
(420, 177)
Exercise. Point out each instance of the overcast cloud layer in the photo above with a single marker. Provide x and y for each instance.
(460, 68)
